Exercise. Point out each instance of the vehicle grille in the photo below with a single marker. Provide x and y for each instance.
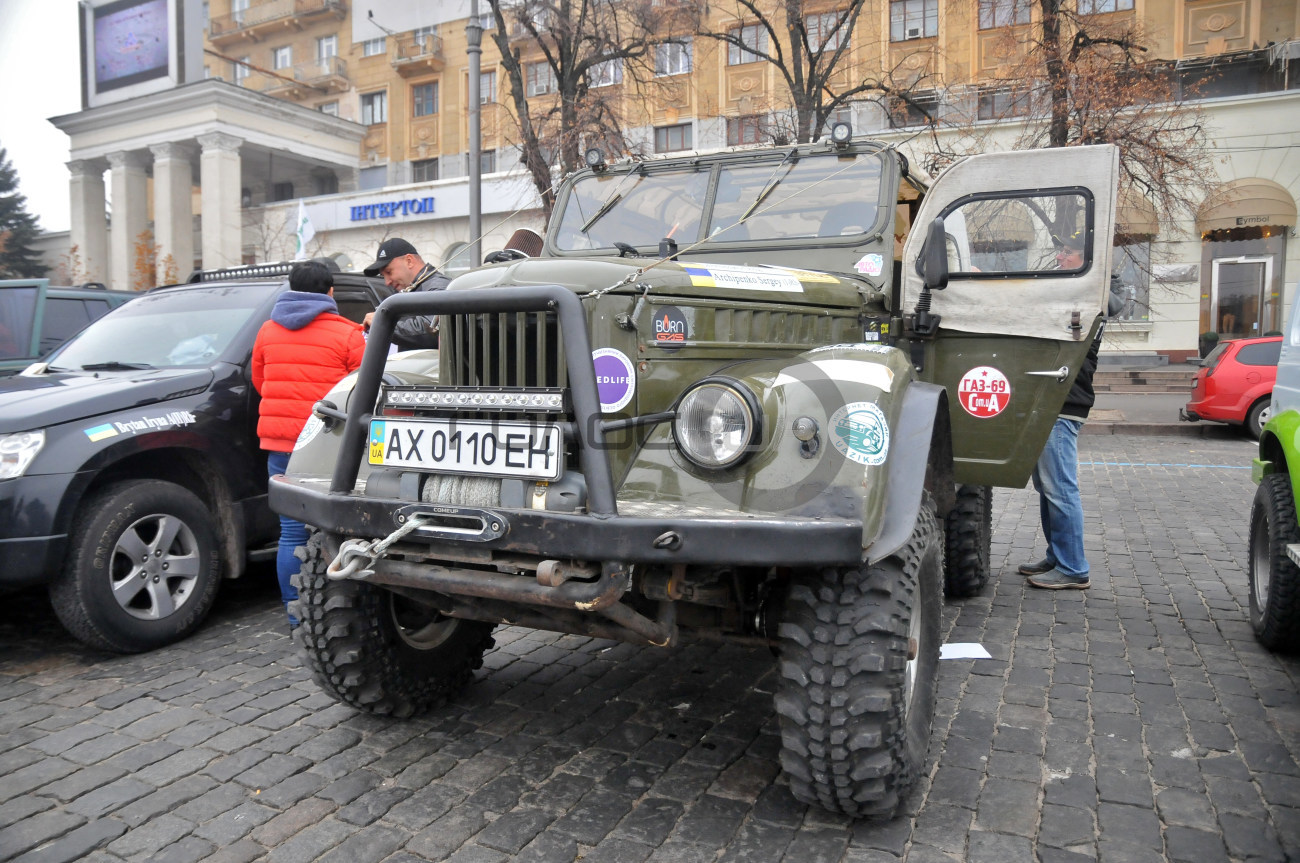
(779, 328)
(508, 349)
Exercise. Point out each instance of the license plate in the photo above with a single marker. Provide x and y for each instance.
(523, 450)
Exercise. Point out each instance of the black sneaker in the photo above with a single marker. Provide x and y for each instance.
(1037, 568)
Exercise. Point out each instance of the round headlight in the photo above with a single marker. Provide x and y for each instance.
(716, 424)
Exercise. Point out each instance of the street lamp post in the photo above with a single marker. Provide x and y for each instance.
(474, 36)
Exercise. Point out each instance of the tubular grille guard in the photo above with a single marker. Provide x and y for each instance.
(498, 305)
(505, 349)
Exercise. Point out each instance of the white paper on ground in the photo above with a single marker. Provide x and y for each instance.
(963, 651)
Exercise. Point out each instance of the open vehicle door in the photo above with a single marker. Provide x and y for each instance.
(1012, 327)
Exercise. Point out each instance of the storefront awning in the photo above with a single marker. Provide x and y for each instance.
(1135, 216)
(1246, 203)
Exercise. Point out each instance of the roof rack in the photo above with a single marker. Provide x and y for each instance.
(256, 271)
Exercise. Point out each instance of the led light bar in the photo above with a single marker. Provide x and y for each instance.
(515, 399)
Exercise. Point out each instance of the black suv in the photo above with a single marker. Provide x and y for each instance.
(130, 475)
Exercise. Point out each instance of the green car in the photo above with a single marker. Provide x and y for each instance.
(36, 318)
(756, 396)
(1273, 569)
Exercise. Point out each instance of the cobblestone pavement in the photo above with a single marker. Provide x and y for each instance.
(1136, 721)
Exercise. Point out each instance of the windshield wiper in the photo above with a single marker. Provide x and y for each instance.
(614, 198)
(115, 366)
(768, 188)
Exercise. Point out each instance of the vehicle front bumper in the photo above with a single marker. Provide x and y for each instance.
(738, 539)
(31, 542)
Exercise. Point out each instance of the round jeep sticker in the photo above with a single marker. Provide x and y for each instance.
(671, 328)
(615, 378)
(984, 392)
(861, 433)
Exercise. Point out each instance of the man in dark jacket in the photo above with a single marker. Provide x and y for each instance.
(1056, 476)
(404, 270)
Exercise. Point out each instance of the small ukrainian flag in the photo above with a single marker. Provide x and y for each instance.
(377, 438)
(100, 432)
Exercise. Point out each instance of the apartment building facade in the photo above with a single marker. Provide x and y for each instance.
(391, 81)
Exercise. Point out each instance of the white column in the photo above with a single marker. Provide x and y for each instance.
(219, 178)
(128, 176)
(173, 219)
(89, 227)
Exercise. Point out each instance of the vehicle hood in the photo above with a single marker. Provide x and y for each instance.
(43, 401)
(687, 278)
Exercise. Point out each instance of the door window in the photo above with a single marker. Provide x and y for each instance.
(17, 312)
(1242, 305)
(1019, 234)
(63, 319)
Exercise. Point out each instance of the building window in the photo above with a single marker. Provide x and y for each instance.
(281, 191)
(823, 34)
(1097, 7)
(746, 130)
(841, 114)
(241, 71)
(913, 19)
(754, 39)
(374, 108)
(1132, 265)
(1003, 13)
(327, 47)
(372, 178)
(282, 57)
(487, 161)
(605, 74)
(670, 138)
(325, 183)
(331, 108)
(374, 47)
(487, 87)
(424, 99)
(425, 37)
(1001, 103)
(919, 109)
(424, 170)
(541, 79)
(673, 58)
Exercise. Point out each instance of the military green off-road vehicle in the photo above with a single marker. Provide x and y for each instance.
(737, 396)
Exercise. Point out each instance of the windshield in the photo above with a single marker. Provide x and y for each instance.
(186, 327)
(769, 196)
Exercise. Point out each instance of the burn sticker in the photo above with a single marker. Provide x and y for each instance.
(671, 329)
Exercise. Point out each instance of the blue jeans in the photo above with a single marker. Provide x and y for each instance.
(292, 534)
(1056, 477)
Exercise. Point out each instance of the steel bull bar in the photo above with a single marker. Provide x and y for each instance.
(599, 534)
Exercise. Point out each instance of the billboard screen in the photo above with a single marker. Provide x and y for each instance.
(132, 40)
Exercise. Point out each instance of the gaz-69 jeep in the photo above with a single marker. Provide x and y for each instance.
(728, 400)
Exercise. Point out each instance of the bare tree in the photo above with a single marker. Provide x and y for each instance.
(1079, 79)
(809, 47)
(565, 61)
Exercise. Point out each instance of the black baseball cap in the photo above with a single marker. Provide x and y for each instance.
(389, 249)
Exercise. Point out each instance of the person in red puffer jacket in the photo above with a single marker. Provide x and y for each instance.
(300, 354)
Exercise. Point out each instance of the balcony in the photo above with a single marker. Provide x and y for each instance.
(327, 75)
(417, 54)
(272, 18)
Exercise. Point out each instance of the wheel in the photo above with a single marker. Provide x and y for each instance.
(1273, 579)
(859, 655)
(143, 567)
(378, 651)
(1258, 415)
(967, 536)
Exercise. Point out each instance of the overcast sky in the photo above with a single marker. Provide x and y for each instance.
(40, 66)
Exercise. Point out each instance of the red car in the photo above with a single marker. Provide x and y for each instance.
(1235, 384)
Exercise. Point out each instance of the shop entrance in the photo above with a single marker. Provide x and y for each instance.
(1242, 302)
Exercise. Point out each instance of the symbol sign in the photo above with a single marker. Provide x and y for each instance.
(984, 392)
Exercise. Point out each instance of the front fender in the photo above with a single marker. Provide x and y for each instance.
(867, 461)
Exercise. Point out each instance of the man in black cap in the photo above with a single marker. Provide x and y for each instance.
(404, 270)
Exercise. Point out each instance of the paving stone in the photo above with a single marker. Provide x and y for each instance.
(33, 776)
(37, 830)
(76, 844)
(1187, 845)
(312, 842)
(515, 829)
(191, 849)
(163, 800)
(441, 838)
(286, 824)
(373, 805)
(151, 837)
(234, 824)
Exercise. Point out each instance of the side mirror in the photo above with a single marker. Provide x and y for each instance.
(932, 264)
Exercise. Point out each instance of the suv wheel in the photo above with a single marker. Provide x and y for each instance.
(378, 651)
(143, 568)
(967, 538)
(859, 650)
(1274, 580)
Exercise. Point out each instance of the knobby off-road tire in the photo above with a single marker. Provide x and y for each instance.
(143, 567)
(1273, 579)
(377, 651)
(855, 711)
(967, 538)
